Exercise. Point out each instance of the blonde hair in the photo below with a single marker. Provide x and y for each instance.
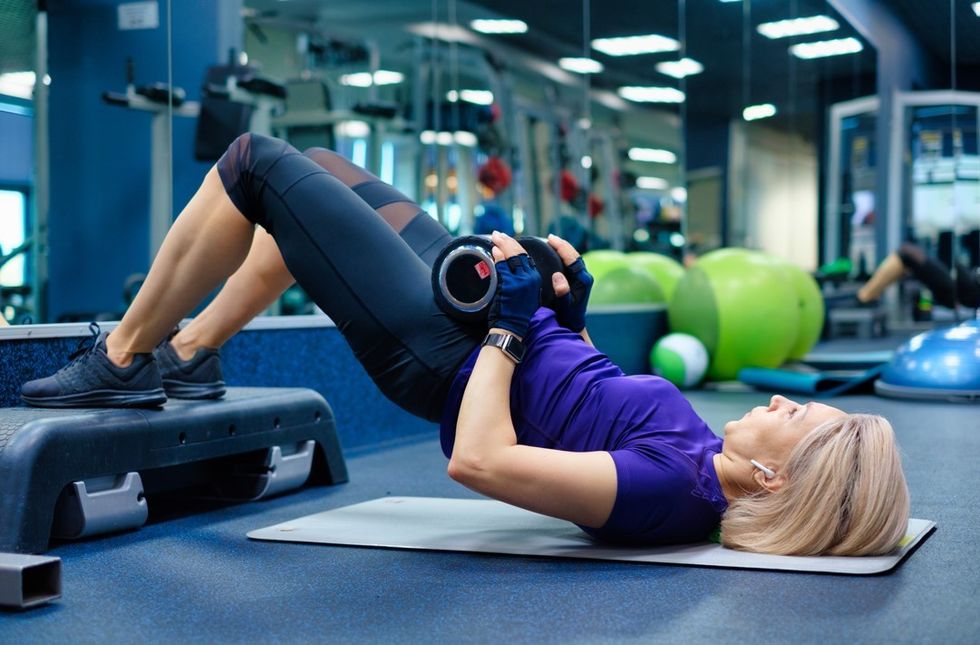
(845, 495)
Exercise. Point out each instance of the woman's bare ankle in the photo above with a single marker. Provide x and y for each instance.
(118, 357)
(186, 344)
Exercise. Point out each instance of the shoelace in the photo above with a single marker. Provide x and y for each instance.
(86, 345)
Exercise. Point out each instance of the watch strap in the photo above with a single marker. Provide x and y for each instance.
(508, 344)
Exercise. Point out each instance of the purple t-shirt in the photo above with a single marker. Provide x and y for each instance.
(568, 396)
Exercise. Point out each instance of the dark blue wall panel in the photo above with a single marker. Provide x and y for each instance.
(100, 154)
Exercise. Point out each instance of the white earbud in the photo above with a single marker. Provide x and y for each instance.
(768, 472)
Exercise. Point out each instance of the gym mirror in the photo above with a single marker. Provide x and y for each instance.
(85, 186)
(755, 123)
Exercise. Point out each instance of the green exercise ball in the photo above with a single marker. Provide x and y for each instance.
(665, 270)
(601, 262)
(626, 286)
(810, 302)
(741, 306)
(679, 358)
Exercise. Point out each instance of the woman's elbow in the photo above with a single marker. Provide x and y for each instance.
(468, 469)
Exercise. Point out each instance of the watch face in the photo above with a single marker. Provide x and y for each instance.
(515, 348)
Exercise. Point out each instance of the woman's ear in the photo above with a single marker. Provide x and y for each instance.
(769, 484)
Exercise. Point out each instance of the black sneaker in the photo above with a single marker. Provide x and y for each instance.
(197, 378)
(92, 380)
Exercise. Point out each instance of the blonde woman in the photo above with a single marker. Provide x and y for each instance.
(530, 412)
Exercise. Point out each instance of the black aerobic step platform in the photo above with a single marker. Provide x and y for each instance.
(77, 473)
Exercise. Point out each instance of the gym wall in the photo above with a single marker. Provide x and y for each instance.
(104, 204)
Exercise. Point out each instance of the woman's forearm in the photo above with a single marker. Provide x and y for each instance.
(484, 422)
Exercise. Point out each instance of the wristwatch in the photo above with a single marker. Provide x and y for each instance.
(508, 344)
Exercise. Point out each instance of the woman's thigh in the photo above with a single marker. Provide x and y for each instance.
(356, 268)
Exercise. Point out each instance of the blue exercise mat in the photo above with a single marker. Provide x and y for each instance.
(489, 526)
(847, 360)
(811, 382)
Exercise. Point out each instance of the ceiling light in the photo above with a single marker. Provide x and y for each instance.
(353, 129)
(477, 97)
(680, 68)
(444, 138)
(655, 155)
(444, 32)
(386, 77)
(488, 26)
(465, 138)
(18, 84)
(797, 27)
(633, 45)
(586, 162)
(642, 94)
(679, 195)
(976, 8)
(366, 79)
(651, 183)
(762, 111)
(360, 79)
(580, 65)
(427, 137)
(823, 48)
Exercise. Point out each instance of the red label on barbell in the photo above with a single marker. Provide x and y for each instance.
(482, 269)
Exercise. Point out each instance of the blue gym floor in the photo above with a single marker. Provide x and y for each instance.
(196, 578)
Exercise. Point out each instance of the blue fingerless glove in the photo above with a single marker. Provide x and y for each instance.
(570, 308)
(518, 295)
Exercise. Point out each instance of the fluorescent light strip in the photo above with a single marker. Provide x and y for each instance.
(680, 68)
(653, 155)
(353, 129)
(477, 97)
(762, 111)
(825, 48)
(797, 27)
(634, 45)
(641, 94)
(446, 138)
(976, 8)
(580, 65)
(465, 138)
(18, 84)
(651, 183)
(488, 26)
(365, 79)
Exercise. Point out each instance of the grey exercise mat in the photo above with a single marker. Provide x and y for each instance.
(487, 526)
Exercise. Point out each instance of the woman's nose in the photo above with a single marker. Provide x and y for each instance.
(777, 401)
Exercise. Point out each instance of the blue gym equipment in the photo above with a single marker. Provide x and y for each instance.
(940, 364)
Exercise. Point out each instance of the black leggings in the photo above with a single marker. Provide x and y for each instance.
(946, 290)
(367, 267)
